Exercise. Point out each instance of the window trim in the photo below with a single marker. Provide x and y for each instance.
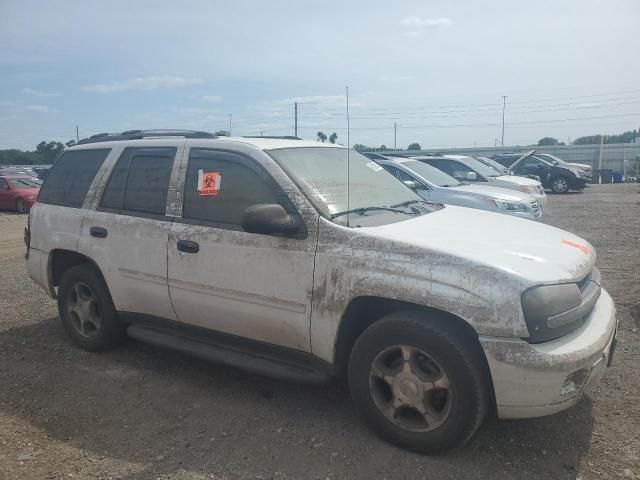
(135, 213)
(288, 204)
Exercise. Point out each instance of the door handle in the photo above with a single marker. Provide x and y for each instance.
(98, 232)
(187, 246)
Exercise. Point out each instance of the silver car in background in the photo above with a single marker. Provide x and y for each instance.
(436, 186)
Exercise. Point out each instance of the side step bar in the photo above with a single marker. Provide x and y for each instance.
(255, 357)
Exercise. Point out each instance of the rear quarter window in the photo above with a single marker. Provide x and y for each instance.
(69, 179)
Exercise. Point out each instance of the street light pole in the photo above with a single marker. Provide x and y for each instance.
(504, 104)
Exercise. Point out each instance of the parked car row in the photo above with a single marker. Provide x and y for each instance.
(466, 182)
(312, 262)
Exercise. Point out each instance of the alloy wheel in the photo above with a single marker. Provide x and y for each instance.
(410, 388)
(84, 310)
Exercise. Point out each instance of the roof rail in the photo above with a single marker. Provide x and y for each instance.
(275, 137)
(139, 134)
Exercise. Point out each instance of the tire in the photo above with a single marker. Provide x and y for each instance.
(450, 355)
(21, 207)
(87, 311)
(559, 185)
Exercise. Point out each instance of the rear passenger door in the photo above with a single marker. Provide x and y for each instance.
(127, 233)
(222, 278)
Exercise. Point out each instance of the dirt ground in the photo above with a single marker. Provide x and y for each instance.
(145, 413)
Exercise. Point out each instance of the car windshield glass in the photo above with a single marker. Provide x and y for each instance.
(492, 164)
(430, 174)
(22, 183)
(480, 167)
(552, 159)
(546, 161)
(321, 172)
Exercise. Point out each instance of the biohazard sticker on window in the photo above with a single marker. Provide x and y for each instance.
(208, 183)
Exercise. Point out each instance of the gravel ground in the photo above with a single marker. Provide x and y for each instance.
(144, 413)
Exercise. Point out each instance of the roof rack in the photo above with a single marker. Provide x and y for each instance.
(139, 134)
(275, 137)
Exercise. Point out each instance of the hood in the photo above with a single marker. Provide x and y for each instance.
(582, 166)
(524, 181)
(494, 192)
(532, 251)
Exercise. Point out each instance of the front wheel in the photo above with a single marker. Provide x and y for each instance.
(421, 383)
(559, 185)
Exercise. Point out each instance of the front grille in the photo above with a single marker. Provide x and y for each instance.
(535, 206)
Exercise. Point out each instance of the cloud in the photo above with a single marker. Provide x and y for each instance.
(36, 108)
(39, 93)
(143, 83)
(421, 23)
(212, 98)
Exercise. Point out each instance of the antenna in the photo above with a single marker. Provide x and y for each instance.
(348, 156)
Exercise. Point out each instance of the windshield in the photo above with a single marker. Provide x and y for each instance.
(22, 183)
(551, 158)
(321, 173)
(492, 164)
(480, 167)
(430, 174)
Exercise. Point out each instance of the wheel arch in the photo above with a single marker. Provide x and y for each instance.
(61, 260)
(363, 311)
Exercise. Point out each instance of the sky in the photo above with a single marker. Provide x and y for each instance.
(438, 70)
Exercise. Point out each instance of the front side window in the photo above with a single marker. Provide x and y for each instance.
(321, 173)
(140, 181)
(236, 184)
(3, 184)
(69, 179)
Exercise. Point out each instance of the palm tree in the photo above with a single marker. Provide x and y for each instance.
(322, 137)
(333, 137)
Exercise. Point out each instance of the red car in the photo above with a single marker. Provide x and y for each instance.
(18, 193)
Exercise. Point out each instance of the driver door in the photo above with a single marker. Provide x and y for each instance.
(223, 278)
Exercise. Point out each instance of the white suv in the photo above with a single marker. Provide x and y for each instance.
(309, 261)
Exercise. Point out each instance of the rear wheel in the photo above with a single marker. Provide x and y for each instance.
(87, 311)
(559, 185)
(420, 383)
(21, 206)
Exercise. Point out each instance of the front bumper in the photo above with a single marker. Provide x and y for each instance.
(533, 380)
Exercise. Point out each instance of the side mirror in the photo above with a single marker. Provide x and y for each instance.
(268, 218)
(411, 184)
(472, 176)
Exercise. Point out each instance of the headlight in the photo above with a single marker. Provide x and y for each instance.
(510, 206)
(552, 311)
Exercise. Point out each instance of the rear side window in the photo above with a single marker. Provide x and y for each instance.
(242, 184)
(69, 179)
(140, 181)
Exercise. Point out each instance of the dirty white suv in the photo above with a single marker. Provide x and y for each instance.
(310, 262)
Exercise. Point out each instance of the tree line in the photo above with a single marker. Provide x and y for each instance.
(626, 137)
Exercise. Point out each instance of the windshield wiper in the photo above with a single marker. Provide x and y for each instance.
(363, 210)
(407, 203)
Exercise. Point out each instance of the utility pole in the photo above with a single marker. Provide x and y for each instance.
(504, 104)
(229, 124)
(295, 127)
(395, 136)
(77, 134)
